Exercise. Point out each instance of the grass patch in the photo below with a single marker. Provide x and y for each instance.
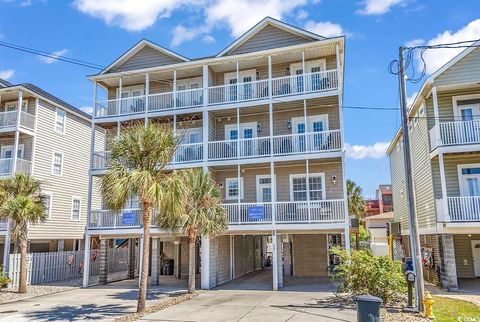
(448, 309)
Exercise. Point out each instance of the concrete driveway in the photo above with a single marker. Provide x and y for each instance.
(245, 299)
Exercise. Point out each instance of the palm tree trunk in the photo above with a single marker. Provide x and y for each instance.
(22, 285)
(142, 292)
(191, 260)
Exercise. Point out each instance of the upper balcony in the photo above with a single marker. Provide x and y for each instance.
(458, 209)
(455, 133)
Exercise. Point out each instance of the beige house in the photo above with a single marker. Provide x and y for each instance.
(51, 139)
(264, 117)
(444, 125)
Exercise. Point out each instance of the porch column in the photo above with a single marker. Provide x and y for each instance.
(178, 258)
(448, 267)
(436, 119)
(103, 274)
(119, 95)
(205, 117)
(155, 270)
(131, 258)
(174, 89)
(286, 256)
(232, 257)
(303, 71)
(280, 260)
(339, 72)
(141, 246)
(6, 247)
(60, 245)
(445, 216)
(275, 264)
(205, 262)
(34, 142)
(238, 84)
(17, 132)
(86, 261)
(147, 98)
(307, 182)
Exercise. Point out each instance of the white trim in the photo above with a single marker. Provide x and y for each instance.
(57, 109)
(460, 167)
(79, 199)
(53, 162)
(307, 65)
(50, 195)
(227, 196)
(15, 104)
(243, 126)
(129, 90)
(259, 193)
(311, 175)
(457, 98)
(233, 75)
(310, 120)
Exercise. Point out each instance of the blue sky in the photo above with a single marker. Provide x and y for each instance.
(100, 31)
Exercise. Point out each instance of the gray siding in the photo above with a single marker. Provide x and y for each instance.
(397, 171)
(145, 58)
(463, 254)
(268, 38)
(467, 70)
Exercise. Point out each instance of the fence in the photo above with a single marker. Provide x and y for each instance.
(43, 268)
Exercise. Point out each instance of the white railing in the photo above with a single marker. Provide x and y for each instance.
(185, 98)
(161, 101)
(27, 120)
(123, 106)
(24, 166)
(242, 148)
(6, 166)
(192, 152)
(240, 92)
(189, 98)
(3, 224)
(102, 219)
(458, 132)
(318, 211)
(305, 83)
(8, 119)
(101, 160)
(464, 208)
(307, 142)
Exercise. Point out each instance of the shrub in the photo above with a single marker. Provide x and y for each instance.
(359, 272)
(4, 280)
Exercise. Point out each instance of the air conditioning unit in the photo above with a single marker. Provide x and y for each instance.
(394, 229)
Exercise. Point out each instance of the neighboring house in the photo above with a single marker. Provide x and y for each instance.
(264, 117)
(444, 126)
(382, 203)
(49, 139)
(376, 226)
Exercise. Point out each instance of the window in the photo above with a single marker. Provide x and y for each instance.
(422, 110)
(298, 187)
(387, 199)
(47, 200)
(57, 163)
(76, 207)
(233, 188)
(469, 179)
(60, 117)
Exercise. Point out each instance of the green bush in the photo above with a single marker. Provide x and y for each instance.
(359, 272)
(4, 280)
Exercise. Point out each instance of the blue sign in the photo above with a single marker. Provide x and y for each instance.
(256, 213)
(128, 218)
(408, 264)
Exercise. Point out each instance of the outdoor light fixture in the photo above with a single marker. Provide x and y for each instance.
(334, 179)
(259, 127)
(220, 184)
(289, 124)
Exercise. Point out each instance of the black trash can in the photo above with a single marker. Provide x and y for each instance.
(368, 308)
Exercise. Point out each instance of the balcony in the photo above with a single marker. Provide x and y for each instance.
(288, 212)
(459, 209)
(9, 120)
(455, 133)
(219, 95)
(3, 224)
(6, 167)
(292, 144)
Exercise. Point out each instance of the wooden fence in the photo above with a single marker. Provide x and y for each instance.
(43, 268)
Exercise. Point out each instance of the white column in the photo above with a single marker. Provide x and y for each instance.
(118, 129)
(119, 95)
(6, 247)
(86, 261)
(436, 118)
(239, 145)
(205, 123)
(17, 132)
(140, 257)
(347, 237)
(339, 72)
(60, 245)
(307, 181)
(280, 260)
(238, 83)
(443, 184)
(274, 261)
(270, 124)
(147, 98)
(344, 178)
(174, 89)
(232, 257)
(205, 260)
(155, 269)
(303, 71)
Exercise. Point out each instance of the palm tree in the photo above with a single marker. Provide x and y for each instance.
(356, 205)
(198, 212)
(139, 157)
(22, 202)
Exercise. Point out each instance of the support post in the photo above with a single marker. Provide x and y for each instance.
(119, 96)
(103, 278)
(140, 254)
(443, 184)
(174, 89)
(17, 132)
(436, 119)
(178, 258)
(155, 269)
(60, 245)
(86, 261)
(279, 260)
(205, 260)
(147, 97)
(131, 258)
(412, 216)
(6, 247)
(274, 261)
(303, 71)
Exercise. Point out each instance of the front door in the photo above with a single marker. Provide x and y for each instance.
(264, 188)
(476, 257)
(470, 131)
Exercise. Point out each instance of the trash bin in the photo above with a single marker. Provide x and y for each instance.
(368, 308)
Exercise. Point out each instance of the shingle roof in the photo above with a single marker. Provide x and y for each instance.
(4, 83)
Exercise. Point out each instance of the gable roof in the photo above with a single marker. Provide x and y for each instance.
(139, 46)
(4, 83)
(269, 21)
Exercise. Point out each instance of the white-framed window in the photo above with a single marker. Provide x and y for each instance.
(48, 201)
(60, 120)
(76, 208)
(315, 123)
(233, 188)
(421, 112)
(247, 131)
(57, 163)
(298, 186)
(469, 179)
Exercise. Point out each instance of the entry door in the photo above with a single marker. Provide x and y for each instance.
(132, 101)
(188, 98)
(264, 188)
(476, 257)
(470, 129)
(471, 182)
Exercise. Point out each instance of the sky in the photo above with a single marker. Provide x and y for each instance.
(101, 31)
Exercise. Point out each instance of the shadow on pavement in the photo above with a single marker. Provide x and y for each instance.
(77, 313)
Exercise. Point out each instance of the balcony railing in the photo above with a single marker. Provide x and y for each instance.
(223, 94)
(456, 133)
(319, 211)
(192, 152)
(458, 209)
(9, 119)
(242, 148)
(3, 224)
(6, 166)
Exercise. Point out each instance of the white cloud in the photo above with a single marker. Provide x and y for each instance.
(208, 39)
(411, 98)
(87, 109)
(378, 7)
(51, 60)
(182, 34)
(436, 58)
(302, 14)
(325, 28)
(7, 74)
(375, 151)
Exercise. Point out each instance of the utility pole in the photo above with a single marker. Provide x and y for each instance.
(412, 215)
